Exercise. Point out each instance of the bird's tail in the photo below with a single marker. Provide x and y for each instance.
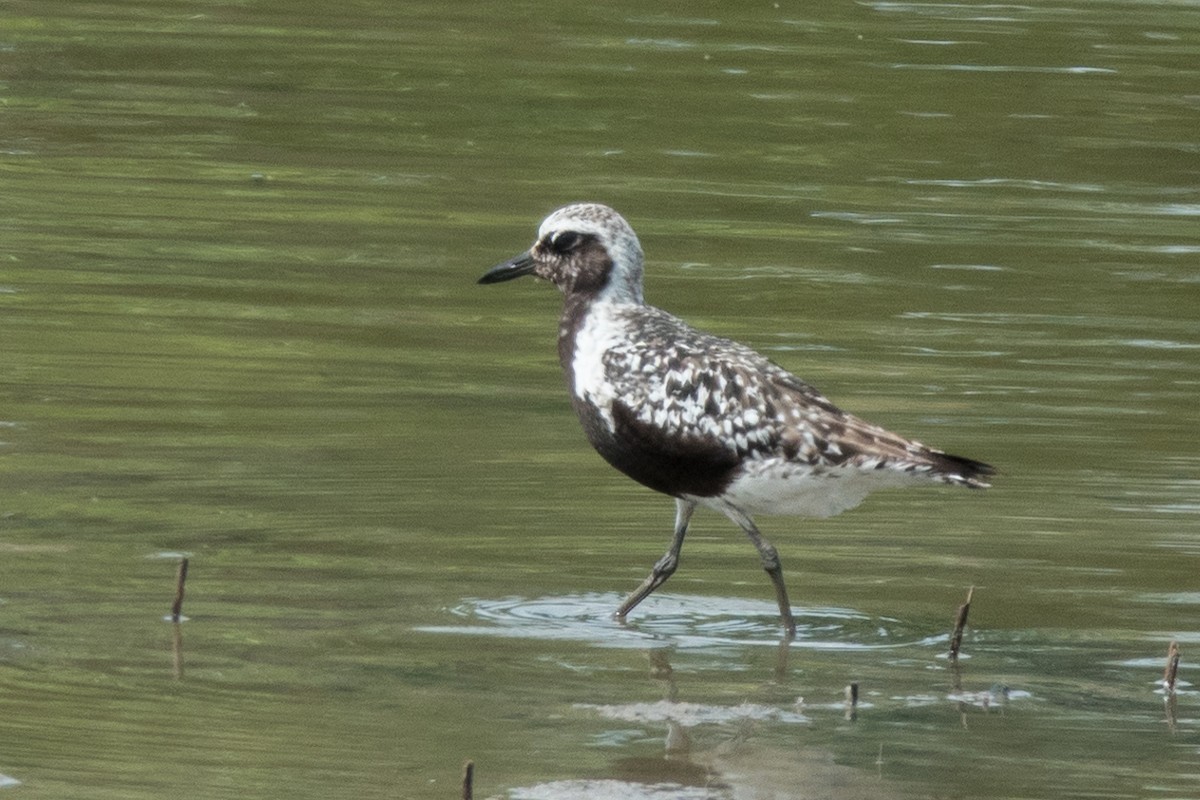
(963, 471)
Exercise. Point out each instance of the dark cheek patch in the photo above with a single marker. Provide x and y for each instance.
(591, 267)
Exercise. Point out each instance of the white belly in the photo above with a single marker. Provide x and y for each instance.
(774, 486)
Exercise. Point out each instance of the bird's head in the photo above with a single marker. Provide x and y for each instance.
(583, 248)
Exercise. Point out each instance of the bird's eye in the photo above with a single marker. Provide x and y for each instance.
(565, 241)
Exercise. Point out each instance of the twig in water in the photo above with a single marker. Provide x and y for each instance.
(960, 622)
(180, 580)
(852, 701)
(1172, 670)
(468, 786)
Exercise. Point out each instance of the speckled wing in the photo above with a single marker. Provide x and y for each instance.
(683, 391)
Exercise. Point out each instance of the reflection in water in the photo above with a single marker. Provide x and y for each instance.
(237, 321)
(688, 715)
(177, 650)
(614, 790)
(741, 760)
(717, 750)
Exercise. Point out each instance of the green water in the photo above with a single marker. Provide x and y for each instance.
(238, 321)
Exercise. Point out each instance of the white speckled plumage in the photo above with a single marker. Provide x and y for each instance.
(699, 417)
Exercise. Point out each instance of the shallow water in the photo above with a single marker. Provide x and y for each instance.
(238, 322)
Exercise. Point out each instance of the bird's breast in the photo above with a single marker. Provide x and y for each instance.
(587, 333)
(597, 346)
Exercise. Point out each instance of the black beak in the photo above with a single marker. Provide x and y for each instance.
(513, 268)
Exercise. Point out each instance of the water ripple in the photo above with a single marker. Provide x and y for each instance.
(684, 621)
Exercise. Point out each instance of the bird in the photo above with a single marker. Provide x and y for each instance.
(701, 418)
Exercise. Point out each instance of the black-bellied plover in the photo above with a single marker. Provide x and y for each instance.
(704, 419)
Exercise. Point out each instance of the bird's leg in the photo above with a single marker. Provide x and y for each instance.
(770, 562)
(666, 565)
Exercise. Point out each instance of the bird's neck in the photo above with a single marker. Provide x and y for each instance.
(578, 307)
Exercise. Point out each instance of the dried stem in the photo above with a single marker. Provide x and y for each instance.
(1172, 670)
(180, 580)
(960, 622)
(852, 701)
(468, 783)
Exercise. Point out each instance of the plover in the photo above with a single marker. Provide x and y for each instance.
(703, 419)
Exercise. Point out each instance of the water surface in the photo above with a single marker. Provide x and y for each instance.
(238, 322)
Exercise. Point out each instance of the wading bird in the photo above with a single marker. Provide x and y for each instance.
(703, 419)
